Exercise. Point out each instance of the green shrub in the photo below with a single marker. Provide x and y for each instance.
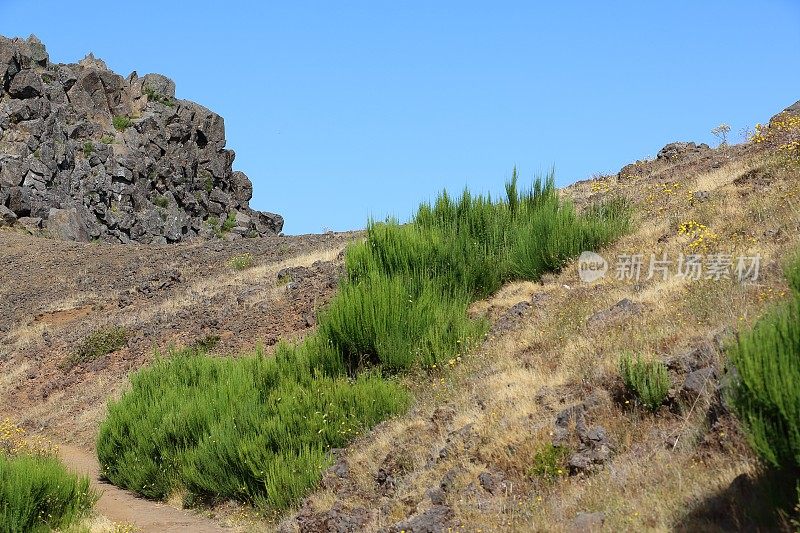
(409, 286)
(766, 395)
(38, 494)
(208, 181)
(161, 201)
(154, 96)
(253, 428)
(206, 344)
(121, 122)
(88, 149)
(98, 344)
(550, 462)
(241, 262)
(229, 224)
(394, 323)
(648, 380)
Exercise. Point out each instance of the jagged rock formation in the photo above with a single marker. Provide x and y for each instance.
(88, 154)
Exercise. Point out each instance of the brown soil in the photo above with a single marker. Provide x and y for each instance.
(54, 294)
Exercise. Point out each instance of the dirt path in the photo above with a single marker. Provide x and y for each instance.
(122, 506)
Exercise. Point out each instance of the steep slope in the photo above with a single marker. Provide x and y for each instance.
(87, 154)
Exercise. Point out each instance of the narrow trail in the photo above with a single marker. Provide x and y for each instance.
(123, 506)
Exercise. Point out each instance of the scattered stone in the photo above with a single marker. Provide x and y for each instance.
(701, 196)
(336, 520)
(448, 480)
(623, 308)
(594, 447)
(697, 383)
(7, 216)
(491, 482)
(341, 469)
(679, 150)
(511, 317)
(692, 359)
(436, 495)
(385, 481)
(434, 520)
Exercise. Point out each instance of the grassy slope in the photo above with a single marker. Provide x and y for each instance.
(668, 470)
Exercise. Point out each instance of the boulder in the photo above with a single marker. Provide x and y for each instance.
(678, 150)
(159, 85)
(26, 84)
(7, 216)
(11, 174)
(67, 224)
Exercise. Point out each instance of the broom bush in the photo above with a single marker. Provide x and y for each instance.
(38, 494)
(767, 393)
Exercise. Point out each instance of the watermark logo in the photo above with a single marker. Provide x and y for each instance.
(591, 267)
(693, 267)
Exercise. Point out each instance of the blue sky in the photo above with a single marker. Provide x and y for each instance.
(339, 111)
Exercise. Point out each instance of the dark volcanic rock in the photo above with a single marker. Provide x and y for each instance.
(128, 160)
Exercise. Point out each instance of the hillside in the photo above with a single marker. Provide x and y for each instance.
(475, 450)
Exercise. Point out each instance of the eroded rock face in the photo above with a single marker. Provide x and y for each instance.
(124, 158)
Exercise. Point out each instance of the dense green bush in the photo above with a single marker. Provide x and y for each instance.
(648, 380)
(259, 429)
(253, 428)
(394, 323)
(767, 392)
(38, 494)
(409, 286)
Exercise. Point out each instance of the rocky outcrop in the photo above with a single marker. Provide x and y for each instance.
(88, 154)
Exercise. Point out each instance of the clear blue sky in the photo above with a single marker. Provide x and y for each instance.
(343, 110)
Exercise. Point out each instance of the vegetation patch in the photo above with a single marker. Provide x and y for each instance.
(241, 262)
(98, 344)
(36, 491)
(550, 462)
(154, 96)
(161, 201)
(121, 122)
(767, 392)
(253, 428)
(649, 381)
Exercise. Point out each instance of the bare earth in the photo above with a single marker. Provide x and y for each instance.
(122, 507)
